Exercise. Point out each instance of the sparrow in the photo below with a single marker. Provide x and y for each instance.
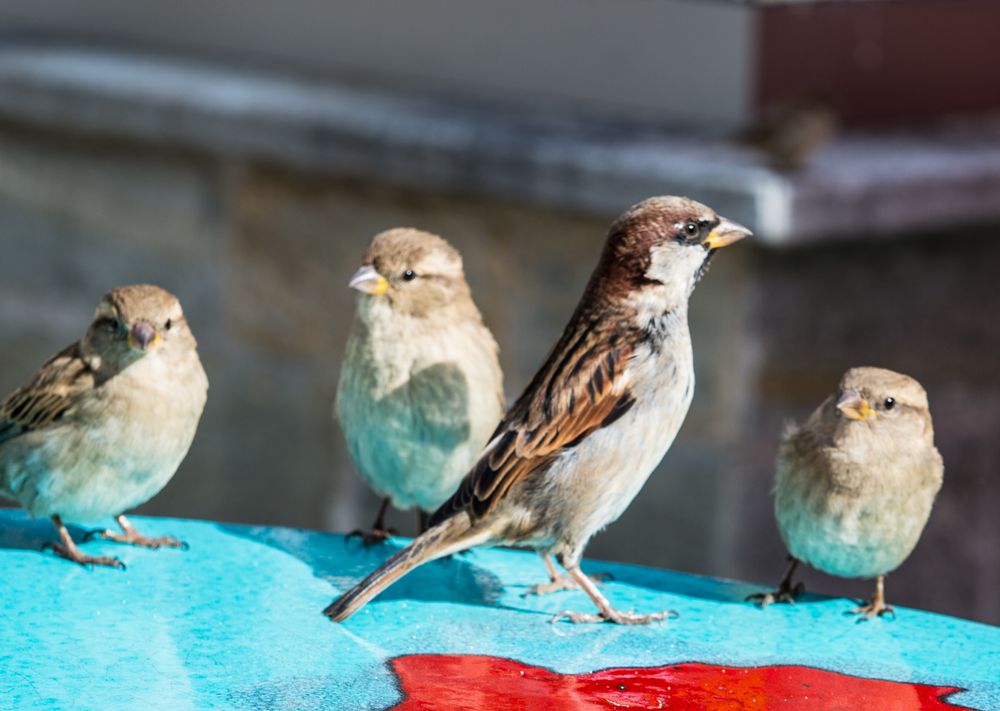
(577, 446)
(104, 424)
(421, 388)
(854, 486)
(791, 134)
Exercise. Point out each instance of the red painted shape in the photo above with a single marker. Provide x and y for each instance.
(445, 681)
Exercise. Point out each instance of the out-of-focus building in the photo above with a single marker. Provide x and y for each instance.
(242, 154)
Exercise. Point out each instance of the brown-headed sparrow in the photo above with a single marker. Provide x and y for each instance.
(104, 424)
(421, 388)
(579, 443)
(854, 486)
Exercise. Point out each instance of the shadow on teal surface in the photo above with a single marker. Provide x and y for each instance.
(343, 561)
(33, 533)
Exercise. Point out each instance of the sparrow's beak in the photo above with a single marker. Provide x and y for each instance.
(143, 336)
(725, 233)
(853, 406)
(369, 281)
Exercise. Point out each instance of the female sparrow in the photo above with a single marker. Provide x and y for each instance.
(104, 424)
(855, 485)
(420, 387)
(579, 443)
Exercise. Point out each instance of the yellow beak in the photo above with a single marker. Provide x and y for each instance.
(725, 233)
(369, 281)
(854, 407)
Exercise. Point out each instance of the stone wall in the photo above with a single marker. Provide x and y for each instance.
(260, 256)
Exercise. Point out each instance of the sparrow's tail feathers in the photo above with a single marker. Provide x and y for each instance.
(450, 536)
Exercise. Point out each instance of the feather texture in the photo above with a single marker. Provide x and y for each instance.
(48, 396)
(581, 387)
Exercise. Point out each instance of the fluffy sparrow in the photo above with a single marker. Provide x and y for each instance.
(855, 484)
(420, 387)
(579, 443)
(104, 424)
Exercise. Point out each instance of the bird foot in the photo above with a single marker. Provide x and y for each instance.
(564, 582)
(783, 594)
(615, 616)
(875, 608)
(134, 538)
(76, 556)
(376, 535)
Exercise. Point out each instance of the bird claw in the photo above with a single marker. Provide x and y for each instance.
(563, 582)
(376, 535)
(872, 609)
(87, 561)
(615, 616)
(781, 595)
(96, 533)
(158, 542)
(134, 538)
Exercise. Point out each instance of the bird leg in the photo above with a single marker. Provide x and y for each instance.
(422, 520)
(133, 537)
(68, 550)
(607, 612)
(379, 533)
(559, 581)
(877, 606)
(786, 592)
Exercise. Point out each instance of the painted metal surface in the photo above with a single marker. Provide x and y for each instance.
(235, 623)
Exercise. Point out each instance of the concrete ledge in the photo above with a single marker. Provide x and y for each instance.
(860, 186)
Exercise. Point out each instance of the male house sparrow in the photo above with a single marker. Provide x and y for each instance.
(855, 484)
(579, 443)
(104, 424)
(420, 387)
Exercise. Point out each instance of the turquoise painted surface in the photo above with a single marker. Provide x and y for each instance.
(235, 623)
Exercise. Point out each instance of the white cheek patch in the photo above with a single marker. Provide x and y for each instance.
(674, 264)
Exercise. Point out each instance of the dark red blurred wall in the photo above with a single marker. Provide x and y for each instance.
(886, 61)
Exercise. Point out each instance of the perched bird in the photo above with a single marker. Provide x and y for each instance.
(420, 386)
(579, 443)
(791, 134)
(855, 485)
(104, 424)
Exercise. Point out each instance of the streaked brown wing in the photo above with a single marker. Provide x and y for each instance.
(581, 387)
(47, 397)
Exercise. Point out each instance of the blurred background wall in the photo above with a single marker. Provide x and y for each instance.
(242, 156)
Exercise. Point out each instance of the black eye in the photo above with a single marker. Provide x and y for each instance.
(890, 402)
(409, 275)
(168, 324)
(691, 229)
